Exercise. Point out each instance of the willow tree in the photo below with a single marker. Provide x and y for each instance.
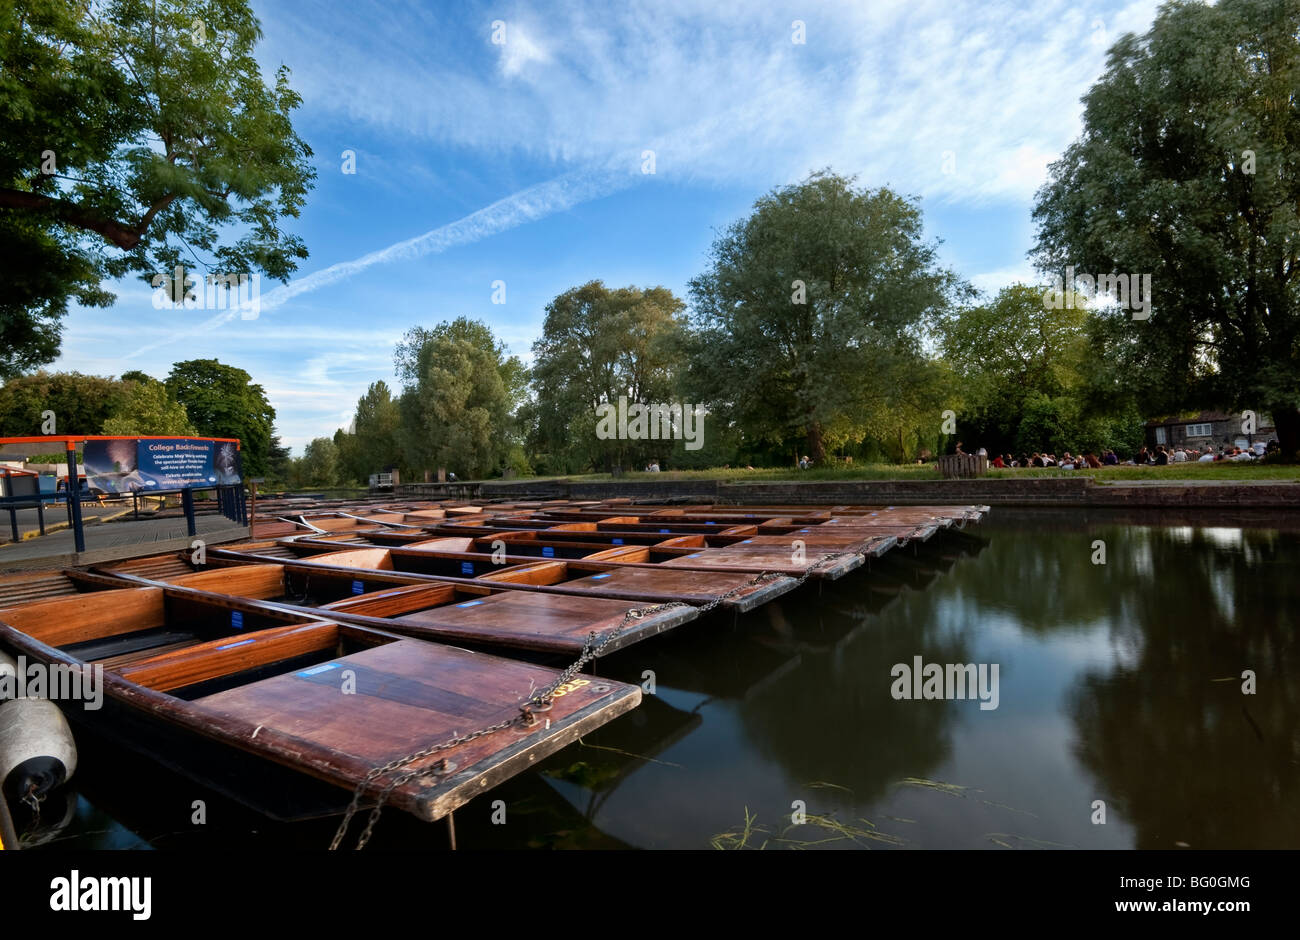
(460, 393)
(138, 137)
(812, 309)
(1188, 170)
(599, 344)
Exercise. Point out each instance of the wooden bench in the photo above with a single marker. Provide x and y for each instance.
(962, 466)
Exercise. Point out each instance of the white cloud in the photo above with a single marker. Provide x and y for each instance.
(882, 89)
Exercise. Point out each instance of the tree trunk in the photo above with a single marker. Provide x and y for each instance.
(1287, 421)
(816, 447)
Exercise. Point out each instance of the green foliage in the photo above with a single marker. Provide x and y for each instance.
(222, 401)
(598, 344)
(1188, 170)
(461, 391)
(279, 463)
(318, 466)
(376, 439)
(149, 410)
(81, 403)
(132, 130)
(822, 372)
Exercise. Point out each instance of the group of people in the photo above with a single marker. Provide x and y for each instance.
(1161, 456)
(1067, 461)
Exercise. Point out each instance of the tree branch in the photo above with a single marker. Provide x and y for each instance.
(123, 236)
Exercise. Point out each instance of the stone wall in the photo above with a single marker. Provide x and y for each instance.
(1000, 491)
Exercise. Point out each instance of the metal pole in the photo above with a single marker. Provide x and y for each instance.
(13, 521)
(252, 513)
(74, 499)
(40, 512)
(451, 830)
(187, 503)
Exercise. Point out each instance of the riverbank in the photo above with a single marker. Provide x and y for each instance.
(1067, 490)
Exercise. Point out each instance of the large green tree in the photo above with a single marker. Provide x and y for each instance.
(80, 403)
(223, 401)
(1027, 379)
(461, 390)
(137, 136)
(376, 428)
(598, 344)
(319, 464)
(148, 409)
(812, 309)
(1188, 170)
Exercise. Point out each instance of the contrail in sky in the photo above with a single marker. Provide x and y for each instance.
(528, 205)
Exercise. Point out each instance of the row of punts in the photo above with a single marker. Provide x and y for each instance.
(301, 666)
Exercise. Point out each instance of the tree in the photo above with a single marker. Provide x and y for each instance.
(596, 345)
(1007, 352)
(222, 401)
(135, 132)
(813, 306)
(279, 463)
(148, 409)
(461, 390)
(1187, 171)
(319, 464)
(377, 428)
(80, 403)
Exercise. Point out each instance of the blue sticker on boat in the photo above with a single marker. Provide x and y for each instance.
(358, 587)
(618, 541)
(696, 555)
(661, 531)
(470, 604)
(597, 577)
(317, 670)
(230, 646)
(746, 542)
(236, 620)
(548, 552)
(467, 567)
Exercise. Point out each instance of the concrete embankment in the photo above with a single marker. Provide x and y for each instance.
(993, 491)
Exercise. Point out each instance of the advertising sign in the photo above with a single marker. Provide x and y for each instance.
(123, 466)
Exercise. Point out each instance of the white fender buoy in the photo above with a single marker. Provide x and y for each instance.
(37, 751)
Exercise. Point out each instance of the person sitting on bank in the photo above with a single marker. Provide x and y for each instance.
(803, 463)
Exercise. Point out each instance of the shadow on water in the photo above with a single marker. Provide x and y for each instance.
(1118, 682)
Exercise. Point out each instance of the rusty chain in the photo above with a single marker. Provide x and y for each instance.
(590, 650)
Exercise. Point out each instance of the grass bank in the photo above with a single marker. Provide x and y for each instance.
(1206, 472)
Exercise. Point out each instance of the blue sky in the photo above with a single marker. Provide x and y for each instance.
(521, 161)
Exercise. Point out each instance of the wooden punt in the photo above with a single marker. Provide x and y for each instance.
(649, 583)
(497, 617)
(17, 590)
(472, 556)
(304, 699)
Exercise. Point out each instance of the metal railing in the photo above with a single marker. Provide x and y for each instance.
(230, 499)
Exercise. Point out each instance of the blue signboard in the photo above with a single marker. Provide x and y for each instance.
(126, 465)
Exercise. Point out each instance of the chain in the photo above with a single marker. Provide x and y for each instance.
(590, 650)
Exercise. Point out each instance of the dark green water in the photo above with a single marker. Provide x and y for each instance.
(1118, 683)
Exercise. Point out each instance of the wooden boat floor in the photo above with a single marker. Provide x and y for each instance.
(561, 622)
(408, 695)
(692, 586)
(749, 558)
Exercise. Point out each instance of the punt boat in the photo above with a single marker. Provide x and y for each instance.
(290, 712)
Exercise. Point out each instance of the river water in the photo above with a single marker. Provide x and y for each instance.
(1122, 717)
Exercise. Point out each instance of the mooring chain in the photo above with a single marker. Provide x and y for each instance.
(590, 650)
(541, 699)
